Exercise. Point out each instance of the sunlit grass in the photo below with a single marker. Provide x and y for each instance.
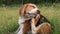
(9, 18)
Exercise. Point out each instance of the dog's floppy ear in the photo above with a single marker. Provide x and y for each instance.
(27, 8)
(22, 10)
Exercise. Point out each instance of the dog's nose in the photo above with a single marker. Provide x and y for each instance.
(38, 11)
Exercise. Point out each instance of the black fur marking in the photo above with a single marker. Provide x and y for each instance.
(42, 20)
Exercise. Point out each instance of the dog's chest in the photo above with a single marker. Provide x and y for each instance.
(22, 20)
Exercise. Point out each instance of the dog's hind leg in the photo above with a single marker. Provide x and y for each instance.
(44, 28)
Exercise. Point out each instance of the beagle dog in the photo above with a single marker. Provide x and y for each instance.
(30, 20)
(26, 12)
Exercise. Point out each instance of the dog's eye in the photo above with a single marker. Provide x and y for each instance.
(28, 13)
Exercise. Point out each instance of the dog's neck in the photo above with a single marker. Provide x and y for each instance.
(22, 20)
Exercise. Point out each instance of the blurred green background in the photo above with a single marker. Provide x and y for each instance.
(9, 13)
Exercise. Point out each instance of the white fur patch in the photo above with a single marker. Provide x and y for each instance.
(33, 11)
(21, 20)
(21, 29)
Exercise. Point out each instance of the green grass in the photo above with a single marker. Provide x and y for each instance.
(9, 18)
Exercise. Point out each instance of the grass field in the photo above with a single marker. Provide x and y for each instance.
(9, 18)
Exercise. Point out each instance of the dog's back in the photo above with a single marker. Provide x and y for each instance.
(42, 20)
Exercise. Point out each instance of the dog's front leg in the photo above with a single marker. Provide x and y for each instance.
(21, 29)
(33, 23)
(33, 27)
(37, 18)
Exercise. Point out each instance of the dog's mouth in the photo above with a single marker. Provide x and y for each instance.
(30, 15)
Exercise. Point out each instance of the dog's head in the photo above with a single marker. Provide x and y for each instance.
(29, 10)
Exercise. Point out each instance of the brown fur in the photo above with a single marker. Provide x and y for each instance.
(44, 29)
(22, 11)
(26, 27)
